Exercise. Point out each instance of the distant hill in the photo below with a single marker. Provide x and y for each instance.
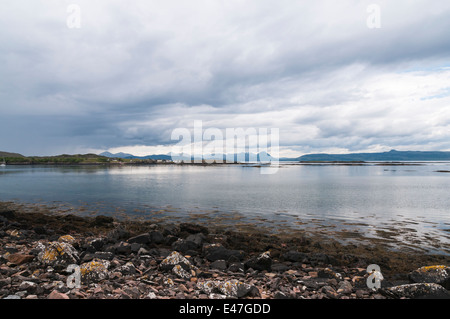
(263, 156)
(7, 154)
(385, 156)
(131, 156)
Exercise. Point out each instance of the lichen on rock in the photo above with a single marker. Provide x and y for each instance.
(57, 254)
(95, 270)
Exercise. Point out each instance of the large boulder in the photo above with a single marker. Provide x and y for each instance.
(431, 274)
(178, 264)
(261, 262)
(57, 254)
(416, 291)
(94, 271)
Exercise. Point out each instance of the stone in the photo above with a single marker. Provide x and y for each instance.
(345, 287)
(416, 291)
(262, 262)
(127, 269)
(28, 286)
(94, 271)
(97, 243)
(67, 239)
(431, 274)
(219, 265)
(215, 252)
(295, 256)
(181, 272)
(329, 273)
(57, 254)
(236, 267)
(20, 259)
(156, 237)
(198, 239)
(330, 292)
(140, 239)
(229, 288)
(175, 258)
(193, 228)
(122, 248)
(55, 294)
(183, 245)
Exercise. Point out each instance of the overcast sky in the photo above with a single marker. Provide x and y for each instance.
(135, 70)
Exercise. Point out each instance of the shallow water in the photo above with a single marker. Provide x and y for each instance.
(410, 203)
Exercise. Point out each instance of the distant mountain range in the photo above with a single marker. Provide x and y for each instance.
(263, 156)
(247, 157)
(373, 157)
(355, 157)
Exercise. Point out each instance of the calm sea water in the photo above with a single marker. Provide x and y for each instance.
(413, 197)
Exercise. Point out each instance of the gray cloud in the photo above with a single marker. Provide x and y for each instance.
(135, 71)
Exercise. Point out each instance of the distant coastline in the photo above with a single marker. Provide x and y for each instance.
(392, 157)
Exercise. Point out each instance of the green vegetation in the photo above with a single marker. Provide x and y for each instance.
(86, 159)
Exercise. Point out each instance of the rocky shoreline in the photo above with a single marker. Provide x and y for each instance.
(42, 255)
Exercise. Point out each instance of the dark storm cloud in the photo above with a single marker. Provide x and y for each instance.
(134, 72)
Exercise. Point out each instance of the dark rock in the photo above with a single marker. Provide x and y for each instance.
(329, 273)
(135, 247)
(262, 262)
(416, 291)
(236, 267)
(170, 230)
(183, 245)
(140, 239)
(321, 259)
(219, 265)
(279, 267)
(98, 243)
(199, 239)
(101, 220)
(8, 214)
(218, 252)
(193, 228)
(40, 230)
(170, 239)
(295, 256)
(122, 248)
(105, 255)
(431, 274)
(280, 295)
(314, 284)
(118, 233)
(156, 237)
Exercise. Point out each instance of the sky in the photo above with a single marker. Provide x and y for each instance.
(120, 76)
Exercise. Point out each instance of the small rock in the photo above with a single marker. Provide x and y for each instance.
(219, 265)
(19, 259)
(55, 294)
(329, 273)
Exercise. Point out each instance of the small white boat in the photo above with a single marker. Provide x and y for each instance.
(4, 163)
